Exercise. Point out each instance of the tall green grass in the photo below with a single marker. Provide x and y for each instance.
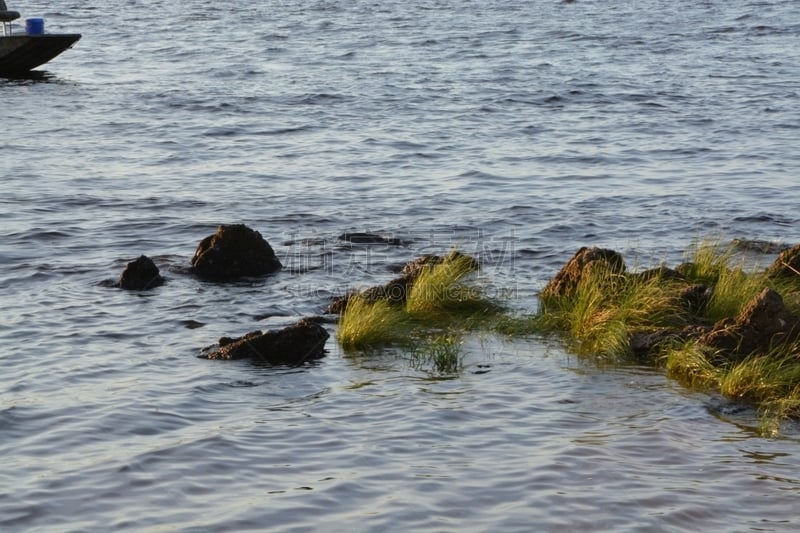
(442, 292)
(442, 296)
(366, 324)
(608, 307)
(771, 381)
(693, 366)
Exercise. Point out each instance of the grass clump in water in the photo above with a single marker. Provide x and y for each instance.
(732, 285)
(692, 365)
(441, 296)
(771, 381)
(366, 324)
(443, 352)
(442, 292)
(607, 307)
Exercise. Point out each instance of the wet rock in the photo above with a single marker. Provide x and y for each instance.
(140, 275)
(646, 344)
(661, 273)
(787, 264)
(233, 252)
(756, 245)
(294, 345)
(761, 325)
(369, 238)
(566, 281)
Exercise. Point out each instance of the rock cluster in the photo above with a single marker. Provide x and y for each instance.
(763, 323)
(234, 252)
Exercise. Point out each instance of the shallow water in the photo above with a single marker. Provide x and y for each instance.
(516, 131)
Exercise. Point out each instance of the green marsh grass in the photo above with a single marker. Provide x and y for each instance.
(598, 319)
(443, 293)
(367, 324)
(692, 365)
(607, 307)
(770, 381)
(734, 284)
(442, 296)
(707, 260)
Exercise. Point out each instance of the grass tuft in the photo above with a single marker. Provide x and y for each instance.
(607, 307)
(442, 293)
(367, 324)
(442, 296)
(692, 365)
(443, 352)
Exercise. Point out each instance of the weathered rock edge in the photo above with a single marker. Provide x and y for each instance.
(294, 345)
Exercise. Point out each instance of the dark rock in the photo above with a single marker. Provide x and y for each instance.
(662, 273)
(646, 344)
(787, 264)
(566, 281)
(140, 275)
(695, 298)
(756, 245)
(369, 238)
(761, 325)
(233, 252)
(294, 345)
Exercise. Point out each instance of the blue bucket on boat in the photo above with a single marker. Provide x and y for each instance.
(34, 26)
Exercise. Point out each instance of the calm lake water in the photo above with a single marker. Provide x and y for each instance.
(514, 130)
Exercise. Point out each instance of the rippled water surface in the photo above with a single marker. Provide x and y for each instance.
(515, 131)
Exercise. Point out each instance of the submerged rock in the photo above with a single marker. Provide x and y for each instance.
(140, 275)
(233, 252)
(566, 281)
(369, 238)
(294, 345)
(761, 325)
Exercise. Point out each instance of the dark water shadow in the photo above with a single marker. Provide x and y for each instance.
(29, 78)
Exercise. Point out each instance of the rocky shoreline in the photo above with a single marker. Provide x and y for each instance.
(723, 317)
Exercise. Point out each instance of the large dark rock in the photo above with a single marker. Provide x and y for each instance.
(787, 264)
(566, 281)
(761, 325)
(233, 252)
(294, 345)
(140, 274)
